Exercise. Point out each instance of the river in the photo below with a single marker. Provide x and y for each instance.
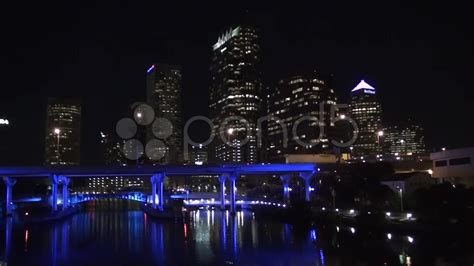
(116, 232)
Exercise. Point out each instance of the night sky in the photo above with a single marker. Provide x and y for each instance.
(418, 56)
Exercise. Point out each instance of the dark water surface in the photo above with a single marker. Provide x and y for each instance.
(114, 232)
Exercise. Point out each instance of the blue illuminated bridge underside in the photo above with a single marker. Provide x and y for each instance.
(225, 172)
(81, 171)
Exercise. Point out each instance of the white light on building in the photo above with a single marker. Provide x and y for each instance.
(4, 121)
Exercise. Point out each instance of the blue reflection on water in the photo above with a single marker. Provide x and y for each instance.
(115, 232)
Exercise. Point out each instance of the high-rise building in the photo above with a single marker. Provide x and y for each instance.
(302, 101)
(367, 113)
(405, 140)
(164, 89)
(63, 132)
(4, 122)
(198, 155)
(111, 150)
(235, 95)
(5, 133)
(113, 155)
(201, 183)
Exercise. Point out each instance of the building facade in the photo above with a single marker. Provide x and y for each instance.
(63, 132)
(455, 166)
(301, 106)
(198, 155)
(111, 148)
(5, 135)
(235, 96)
(367, 113)
(408, 182)
(404, 141)
(164, 89)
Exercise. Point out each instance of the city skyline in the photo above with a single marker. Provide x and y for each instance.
(243, 133)
(129, 85)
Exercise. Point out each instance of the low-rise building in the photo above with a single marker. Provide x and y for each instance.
(455, 166)
(311, 158)
(408, 182)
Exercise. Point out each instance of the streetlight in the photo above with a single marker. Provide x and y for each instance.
(57, 131)
(402, 142)
(400, 192)
(333, 194)
(230, 132)
(379, 136)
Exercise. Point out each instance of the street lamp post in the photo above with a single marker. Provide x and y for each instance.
(400, 192)
(230, 132)
(379, 136)
(333, 194)
(57, 132)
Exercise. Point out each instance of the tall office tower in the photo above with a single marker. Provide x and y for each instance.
(235, 95)
(164, 95)
(4, 122)
(367, 113)
(293, 101)
(405, 140)
(113, 154)
(111, 150)
(5, 138)
(63, 132)
(198, 155)
(201, 183)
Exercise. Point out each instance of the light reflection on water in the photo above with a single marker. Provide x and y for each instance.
(114, 232)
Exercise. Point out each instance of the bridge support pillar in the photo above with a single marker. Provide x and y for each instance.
(54, 191)
(222, 179)
(233, 191)
(161, 196)
(157, 183)
(307, 184)
(286, 188)
(9, 183)
(66, 182)
(153, 190)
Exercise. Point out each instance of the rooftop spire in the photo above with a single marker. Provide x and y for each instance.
(363, 86)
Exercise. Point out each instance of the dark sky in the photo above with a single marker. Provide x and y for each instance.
(419, 56)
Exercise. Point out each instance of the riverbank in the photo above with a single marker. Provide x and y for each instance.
(303, 215)
(379, 221)
(168, 213)
(41, 218)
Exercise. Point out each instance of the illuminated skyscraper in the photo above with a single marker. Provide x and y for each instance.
(293, 99)
(111, 147)
(235, 95)
(198, 155)
(63, 132)
(405, 140)
(367, 113)
(4, 122)
(5, 134)
(164, 89)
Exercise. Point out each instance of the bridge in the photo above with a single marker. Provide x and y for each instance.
(226, 173)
